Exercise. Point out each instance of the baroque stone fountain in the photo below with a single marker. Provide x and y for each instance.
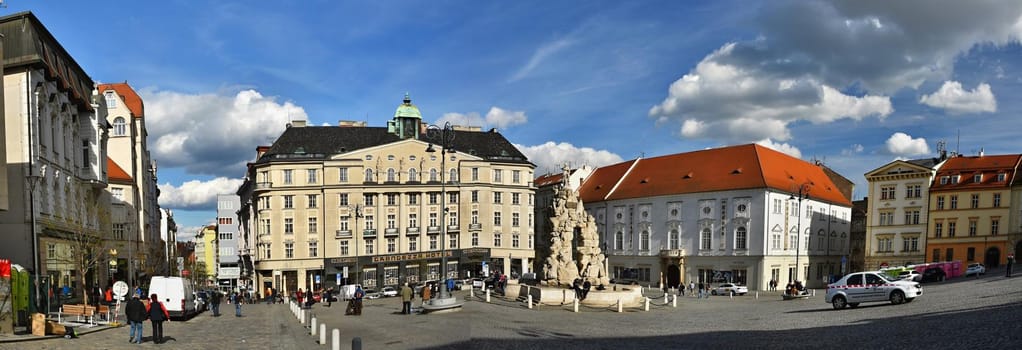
(574, 244)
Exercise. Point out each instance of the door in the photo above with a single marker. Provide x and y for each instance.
(876, 288)
(993, 257)
(856, 289)
(673, 276)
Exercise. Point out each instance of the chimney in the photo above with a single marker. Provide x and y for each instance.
(298, 123)
(351, 124)
(981, 151)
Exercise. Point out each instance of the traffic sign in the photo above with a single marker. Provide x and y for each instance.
(120, 288)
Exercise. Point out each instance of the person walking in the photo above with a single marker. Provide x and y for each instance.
(236, 299)
(427, 291)
(701, 289)
(406, 299)
(299, 296)
(215, 299)
(692, 288)
(1011, 261)
(135, 312)
(157, 314)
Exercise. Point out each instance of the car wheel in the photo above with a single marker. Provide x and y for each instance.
(853, 305)
(897, 297)
(713, 292)
(839, 302)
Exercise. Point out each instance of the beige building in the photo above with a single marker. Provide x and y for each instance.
(898, 209)
(206, 252)
(357, 204)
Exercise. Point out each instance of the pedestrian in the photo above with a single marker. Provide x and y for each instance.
(135, 312)
(700, 291)
(237, 303)
(692, 288)
(359, 294)
(299, 296)
(157, 314)
(406, 299)
(426, 293)
(1011, 261)
(329, 296)
(215, 302)
(108, 296)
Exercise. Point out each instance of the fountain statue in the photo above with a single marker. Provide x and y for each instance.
(573, 249)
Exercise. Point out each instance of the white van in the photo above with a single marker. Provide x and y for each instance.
(175, 293)
(347, 292)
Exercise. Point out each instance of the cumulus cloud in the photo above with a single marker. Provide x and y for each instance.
(901, 144)
(195, 194)
(187, 233)
(213, 134)
(822, 61)
(956, 100)
(497, 117)
(854, 149)
(550, 156)
(781, 147)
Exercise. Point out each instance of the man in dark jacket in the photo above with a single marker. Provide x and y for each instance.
(136, 314)
(215, 299)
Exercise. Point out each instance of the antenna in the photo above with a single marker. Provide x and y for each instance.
(958, 142)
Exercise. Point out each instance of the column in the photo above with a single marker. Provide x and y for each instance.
(525, 266)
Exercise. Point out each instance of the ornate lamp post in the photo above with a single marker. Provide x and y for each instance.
(803, 193)
(445, 138)
(356, 212)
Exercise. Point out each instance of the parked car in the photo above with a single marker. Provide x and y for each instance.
(975, 269)
(459, 284)
(911, 275)
(388, 292)
(478, 283)
(862, 287)
(201, 301)
(933, 274)
(372, 294)
(728, 288)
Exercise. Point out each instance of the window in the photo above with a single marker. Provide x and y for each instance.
(972, 228)
(475, 174)
(342, 199)
(288, 176)
(343, 223)
(432, 175)
(312, 199)
(432, 242)
(515, 198)
(111, 99)
(911, 217)
(741, 238)
(496, 218)
(910, 244)
(475, 216)
(775, 241)
(955, 178)
(434, 198)
(514, 240)
(777, 206)
(938, 229)
(672, 239)
(886, 218)
(913, 191)
(644, 240)
(949, 254)
(497, 197)
(413, 198)
(413, 220)
(977, 178)
(413, 245)
(496, 239)
(370, 222)
(453, 177)
(936, 255)
(704, 242)
(884, 245)
(475, 196)
(391, 199)
(1001, 177)
(619, 240)
(289, 225)
(311, 176)
(970, 254)
(313, 249)
(887, 192)
(475, 239)
(391, 245)
(120, 129)
(289, 250)
(117, 193)
(289, 201)
(943, 180)
(433, 220)
(369, 245)
(514, 220)
(344, 248)
(369, 178)
(452, 197)
(951, 228)
(369, 200)
(940, 202)
(411, 175)
(225, 221)
(313, 225)
(516, 176)
(452, 241)
(498, 176)
(391, 221)
(954, 202)
(343, 175)
(974, 203)
(995, 225)
(118, 231)
(997, 200)
(452, 219)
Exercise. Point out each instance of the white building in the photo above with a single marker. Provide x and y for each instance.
(228, 268)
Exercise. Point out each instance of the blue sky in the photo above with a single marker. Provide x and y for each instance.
(855, 84)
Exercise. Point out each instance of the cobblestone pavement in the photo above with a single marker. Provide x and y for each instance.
(983, 312)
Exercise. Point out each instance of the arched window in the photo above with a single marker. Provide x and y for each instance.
(644, 240)
(369, 175)
(704, 243)
(619, 240)
(741, 238)
(454, 176)
(120, 129)
(411, 175)
(673, 239)
(391, 175)
(432, 175)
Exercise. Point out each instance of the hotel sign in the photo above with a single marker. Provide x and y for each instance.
(414, 256)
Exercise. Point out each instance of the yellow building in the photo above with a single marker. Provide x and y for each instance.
(206, 252)
(346, 204)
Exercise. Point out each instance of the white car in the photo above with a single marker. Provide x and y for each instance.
(728, 288)
(388, 292)
(975, 269)
(911, 275)
(862, 287)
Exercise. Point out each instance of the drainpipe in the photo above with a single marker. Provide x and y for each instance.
(33, 178)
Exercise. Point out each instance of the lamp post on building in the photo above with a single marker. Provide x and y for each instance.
(803, 193)
(445, 136)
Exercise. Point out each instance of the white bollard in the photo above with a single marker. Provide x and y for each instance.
(530, 301)
(646, 307)
(336, 335)
(814, 292)
(732, 295)
(619, 306)
(322, 334)
(487, 295)
(472, 292)
(313, 328)
(665, 298)
(757, 294)
(301, 315)
(574, 304)
(674, 301)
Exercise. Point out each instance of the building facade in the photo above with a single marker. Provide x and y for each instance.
(206, 248)
(228, 267)
(731, 214)
(857, 236)
(356, 204)
(970, 200)
(898, 209)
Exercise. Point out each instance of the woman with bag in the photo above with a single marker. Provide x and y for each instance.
(157, 313)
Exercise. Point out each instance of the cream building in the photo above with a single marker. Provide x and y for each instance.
(206, 252)
(357, 204)
(898, 210)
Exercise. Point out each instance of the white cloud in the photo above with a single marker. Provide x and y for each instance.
(854, 149)
(196, 194)
(213, 133)
(467, 119)
(497, 117)
(550, 156)
(539, 56)
(901, 144)
(187, 233)
(956, 100)
(781, 147)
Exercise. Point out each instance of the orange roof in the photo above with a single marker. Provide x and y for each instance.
(115, 172)
(728, 168)
(967, 167)
(129, 96)
(548, 179)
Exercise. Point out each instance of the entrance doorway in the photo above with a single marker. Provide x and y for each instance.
(673, 276)
(993, 257)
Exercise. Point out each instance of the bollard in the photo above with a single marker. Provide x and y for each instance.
(530, 301)
(575, 305)
(619, 307)
(674, 301)
(487, 295)
(732, 295)
(472, 292)
(757, 294)
(312, 329)
(814, 292)
(665, 298)
(356, 343)
(322, 333)
(336, 335)
(301, 315)
(646, 306)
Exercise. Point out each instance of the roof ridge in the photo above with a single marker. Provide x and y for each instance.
(621, 179)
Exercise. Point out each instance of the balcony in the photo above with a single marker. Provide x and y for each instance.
(369, 233)
(672, 253)
(453, 228)
(475, 227)
(263, 186)
(343, 234)
(433, 230)
(412, 231)
(391, 231)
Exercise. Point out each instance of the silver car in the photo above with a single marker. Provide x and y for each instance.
(861, 287)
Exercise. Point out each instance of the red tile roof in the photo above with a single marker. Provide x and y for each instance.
(129, 96)
(548, 179)
(115, 172)
(967, 167)
(728, 168)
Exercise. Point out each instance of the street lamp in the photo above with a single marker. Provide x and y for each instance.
(357, 213)
(445, 136)
(803, 193)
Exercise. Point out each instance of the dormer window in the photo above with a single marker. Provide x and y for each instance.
(955, 178)
(977, 178)
(943, 180)
(111, 99)
(1001, 177)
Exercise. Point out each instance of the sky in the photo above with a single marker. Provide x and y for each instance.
(854, 84)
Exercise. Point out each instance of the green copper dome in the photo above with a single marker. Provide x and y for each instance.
(407, 110)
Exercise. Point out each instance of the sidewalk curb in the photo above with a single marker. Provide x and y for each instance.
(29, 337)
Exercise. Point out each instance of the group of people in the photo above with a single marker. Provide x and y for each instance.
(138, 312)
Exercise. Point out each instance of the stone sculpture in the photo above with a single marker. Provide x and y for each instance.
(569, 257)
